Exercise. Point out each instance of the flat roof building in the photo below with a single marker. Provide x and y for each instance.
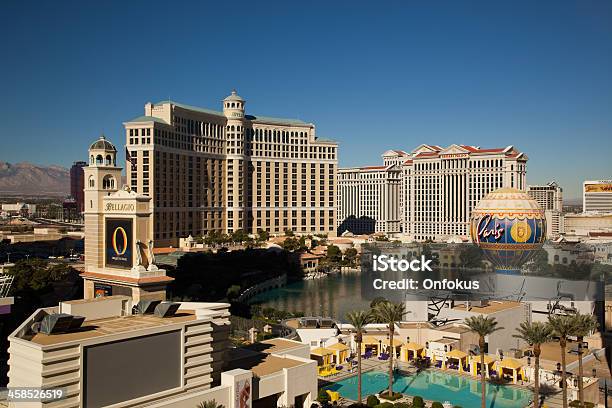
(224, 171)
(117, 358)
(597, 196)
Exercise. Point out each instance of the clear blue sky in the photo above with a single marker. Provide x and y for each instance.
(377, 75)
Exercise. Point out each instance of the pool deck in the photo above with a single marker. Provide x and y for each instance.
(552, 401)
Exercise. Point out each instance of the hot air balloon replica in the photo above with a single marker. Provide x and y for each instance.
(509, 226)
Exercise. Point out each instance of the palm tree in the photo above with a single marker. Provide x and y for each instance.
(390, 313)
(359, 319)
(536, 334)
(483, 326)
(210, 404)
(562, 327)
(583, 326)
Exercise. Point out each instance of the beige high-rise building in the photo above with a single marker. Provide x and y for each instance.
(226, 170)
(438, 189)
(550, 198)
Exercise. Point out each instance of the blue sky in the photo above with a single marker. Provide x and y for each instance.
(372, 75)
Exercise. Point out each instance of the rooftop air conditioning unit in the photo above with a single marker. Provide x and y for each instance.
(166, 309)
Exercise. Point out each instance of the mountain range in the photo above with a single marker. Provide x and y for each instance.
(32, 179)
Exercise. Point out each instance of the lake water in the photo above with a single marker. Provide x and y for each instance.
(332, 296)
(336, 295)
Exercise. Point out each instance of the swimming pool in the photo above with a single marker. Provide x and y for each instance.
(436, 386)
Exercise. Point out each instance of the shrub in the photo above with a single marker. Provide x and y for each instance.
(395, 396)
(576, 404)
(323, 397)
(401, 405)
(437, 404)
(417, 402)
(372, 401)
(357, 405)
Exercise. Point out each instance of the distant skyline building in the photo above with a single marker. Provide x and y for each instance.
(597, 196)
(77, 184)
(550, 198)
(438, 188)
(225, 171)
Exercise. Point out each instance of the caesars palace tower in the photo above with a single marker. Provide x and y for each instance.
(224, 171)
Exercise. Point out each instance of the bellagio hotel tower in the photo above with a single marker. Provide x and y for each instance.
(226, 171)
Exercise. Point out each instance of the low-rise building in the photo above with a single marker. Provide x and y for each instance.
(177, 356)
(585, 224)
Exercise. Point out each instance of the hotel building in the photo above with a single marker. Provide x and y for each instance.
(226, 170)
(597, 196)
(368, 198)
(550, 198)
(437, 191)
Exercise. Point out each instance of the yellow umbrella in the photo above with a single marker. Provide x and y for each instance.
(413, 346)
(510, 363)
(321, 352)
(457, 354)
(338, 346)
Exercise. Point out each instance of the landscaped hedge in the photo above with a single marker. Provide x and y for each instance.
(436, 404)
(372, 401)
(576, 404)
(417, 402)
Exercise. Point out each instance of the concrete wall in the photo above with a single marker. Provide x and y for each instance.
(220, 394)
(301, 380)
(100, 308)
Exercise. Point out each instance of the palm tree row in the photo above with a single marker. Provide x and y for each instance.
(533, 333)
(383, 312)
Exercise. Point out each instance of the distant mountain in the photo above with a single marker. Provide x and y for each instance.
(31, 179)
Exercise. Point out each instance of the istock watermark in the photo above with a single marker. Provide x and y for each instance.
(383, 263)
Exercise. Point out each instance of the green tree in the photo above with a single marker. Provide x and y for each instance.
(376, 301)
(213, 238)
(263, 236)
(239, 236)
(291, 244)
(482, 326)
(536, 334)
(333, 254)
(351, 256)
(37, 275)
(562, 327)
(390, 313)
(358, 320)
(583, 325)
(289, 232)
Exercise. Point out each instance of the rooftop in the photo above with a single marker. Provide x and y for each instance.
(274, 346)
(148, 119)
(112, 325)
(444, 340)
(103, 144)
(272, 364)
(252, 118)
